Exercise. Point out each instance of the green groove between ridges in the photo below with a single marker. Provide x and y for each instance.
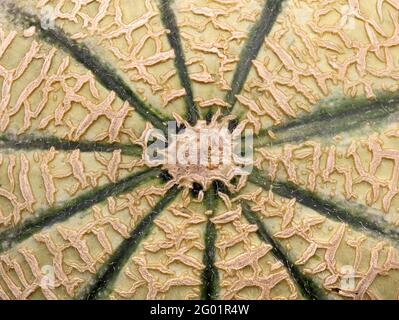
(210, 275)
(256, 37)
(169, 22)
(340, 115)
(353, 215)
(100, 287)
(46, 218)
(81, 53)
(31, 142)
(307, 286)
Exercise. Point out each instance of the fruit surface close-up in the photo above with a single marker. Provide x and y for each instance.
(86, 87)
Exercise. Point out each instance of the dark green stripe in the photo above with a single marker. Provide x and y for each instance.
(356, 216)
(63, 212)
(81, 53)
(169, 22)
(31, 142)
(100, 287)
(306, 285)
(250, 51)
(332, 118)
(210, 275)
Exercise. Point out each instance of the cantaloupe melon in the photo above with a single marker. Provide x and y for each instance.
(83, 215)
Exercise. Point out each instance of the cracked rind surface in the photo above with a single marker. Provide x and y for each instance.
(213, 34)
(57, 263)
(168, 263)
(329, 251)
(248, 269)
(321, 93)
(355, 169)
(34, 181)
(46, 92)
(133, 41)
(318, 50)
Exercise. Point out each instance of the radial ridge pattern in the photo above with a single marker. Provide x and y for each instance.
(84, 215)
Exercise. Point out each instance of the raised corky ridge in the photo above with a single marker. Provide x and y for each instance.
(93, 63)
(111, 269)
(78, 204)
(318, 86)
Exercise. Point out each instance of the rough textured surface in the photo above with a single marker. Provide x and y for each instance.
(82, 216)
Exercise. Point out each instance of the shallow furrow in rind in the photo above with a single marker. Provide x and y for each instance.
(34, 181)
(31, 142)
(333, 117)
(309, 60)
(259, 31)
(210, 275)
(107, 274)
(253, 271)
(61, 213)
(169, 22)
(81, 53)
(307, 287)
(167, 263)
(354, 216)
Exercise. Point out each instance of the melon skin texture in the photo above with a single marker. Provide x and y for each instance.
(84, 216)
